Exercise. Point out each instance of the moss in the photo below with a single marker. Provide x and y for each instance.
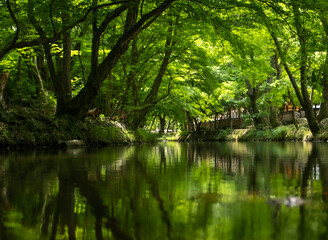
(21, 136)
(103, 133)
(303, 134)
(97, 135)
(26, 128)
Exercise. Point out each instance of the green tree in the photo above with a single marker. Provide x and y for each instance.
(294, 17)
(81, 103)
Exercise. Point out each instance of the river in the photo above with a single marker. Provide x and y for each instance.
(208, 190)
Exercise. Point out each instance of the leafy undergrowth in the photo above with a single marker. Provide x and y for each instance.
(281, 133)
(142, 135)
(170, 136)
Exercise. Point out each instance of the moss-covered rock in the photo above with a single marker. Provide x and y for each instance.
(25, 128)
(303, 134)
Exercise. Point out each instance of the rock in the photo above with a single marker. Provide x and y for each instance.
(72, 143)
(294, 201)
(297, 115)
(119, 125)
(324, 123)
(302, 121)
(289, 201)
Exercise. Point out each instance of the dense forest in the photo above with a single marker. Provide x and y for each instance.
(170, 63)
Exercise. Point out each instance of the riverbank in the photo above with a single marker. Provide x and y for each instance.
(301, 132)
(28, 128)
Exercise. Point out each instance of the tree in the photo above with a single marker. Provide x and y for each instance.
(80, 104)
(295, 18)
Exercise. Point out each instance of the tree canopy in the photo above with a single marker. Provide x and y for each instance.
(172, 62)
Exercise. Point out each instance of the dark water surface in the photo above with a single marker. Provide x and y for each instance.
(167, 191)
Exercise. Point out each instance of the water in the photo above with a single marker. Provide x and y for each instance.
(167, 191)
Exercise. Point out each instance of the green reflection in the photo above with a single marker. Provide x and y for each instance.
(167, 191)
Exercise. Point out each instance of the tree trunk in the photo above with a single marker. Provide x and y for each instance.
(274, 121)
(190, 123)
(293, 106)
(230, 119)
(108, 109)
(131, 76)
(38, 76)
(252, 93)
(152, 123)
(324, 105)
(273, 111)
(3, 81)
(61, 77)
(169, 125)
(304, 96)
(307, 104)
(64, 77)
(151, 98)
(162, 123)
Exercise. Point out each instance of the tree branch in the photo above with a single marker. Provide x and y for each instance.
(42, 40)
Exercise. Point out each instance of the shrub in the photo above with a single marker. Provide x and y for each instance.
(223, 134)
(279, 133)
(143, 135)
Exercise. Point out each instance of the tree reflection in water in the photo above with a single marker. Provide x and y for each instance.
(166, 191)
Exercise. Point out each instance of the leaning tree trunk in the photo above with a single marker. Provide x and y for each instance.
(303, 96)
(3, 81)
(307, 103)
(162, 123)
(151, 99)
(79, 105)
(324, 105)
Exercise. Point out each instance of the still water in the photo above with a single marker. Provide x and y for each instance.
(167, 191)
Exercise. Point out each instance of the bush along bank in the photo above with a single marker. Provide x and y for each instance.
(301, 132)
(281, 133)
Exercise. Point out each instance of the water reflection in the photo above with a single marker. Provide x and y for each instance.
(167, 191)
